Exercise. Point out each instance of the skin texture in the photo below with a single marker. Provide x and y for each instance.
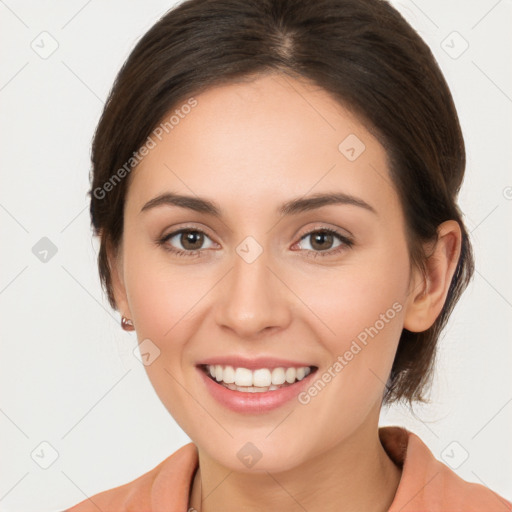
(249, 147)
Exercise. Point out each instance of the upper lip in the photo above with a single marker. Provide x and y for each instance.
(253, 363)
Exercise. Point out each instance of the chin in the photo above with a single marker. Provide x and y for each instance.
(254, 454)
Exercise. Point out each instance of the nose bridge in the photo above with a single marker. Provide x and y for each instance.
(253, 299)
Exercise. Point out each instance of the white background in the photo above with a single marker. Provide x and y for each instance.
(68, 374)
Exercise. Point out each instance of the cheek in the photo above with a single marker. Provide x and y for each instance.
(352, 298)
(361, 309)
(156, 304)
(162, 299)
(161, 293)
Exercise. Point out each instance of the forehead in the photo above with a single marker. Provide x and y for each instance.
(267, 140)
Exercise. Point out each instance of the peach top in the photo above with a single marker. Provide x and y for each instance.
(426, 484)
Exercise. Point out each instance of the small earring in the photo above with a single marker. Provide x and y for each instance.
(127, 324)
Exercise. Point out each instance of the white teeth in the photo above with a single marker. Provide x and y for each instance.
(278, 376)
(243, 377)
(251, 389)
(262, 379)
(290, 375)
(228, 375)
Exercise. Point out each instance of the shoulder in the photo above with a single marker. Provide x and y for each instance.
(428, 484)
(165, 487)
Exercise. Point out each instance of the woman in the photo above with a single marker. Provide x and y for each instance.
(275, 187)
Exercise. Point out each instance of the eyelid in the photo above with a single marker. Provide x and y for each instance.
(186, 227)
(324, 226)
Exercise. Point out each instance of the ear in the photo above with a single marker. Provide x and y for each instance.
(429, 291)
(115, 261)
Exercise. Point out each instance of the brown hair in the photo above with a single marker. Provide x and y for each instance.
(364, 54)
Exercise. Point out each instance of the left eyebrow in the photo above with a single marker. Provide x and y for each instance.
(292, 207)
(315, 201)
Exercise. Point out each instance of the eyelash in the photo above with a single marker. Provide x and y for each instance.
(346, 243)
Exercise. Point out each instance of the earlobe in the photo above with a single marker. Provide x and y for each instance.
(430, 291)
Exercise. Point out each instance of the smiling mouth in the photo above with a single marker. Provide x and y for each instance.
(260, 380)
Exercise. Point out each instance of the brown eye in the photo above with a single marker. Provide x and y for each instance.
(185, 242)
(321, 240)
(191, 240)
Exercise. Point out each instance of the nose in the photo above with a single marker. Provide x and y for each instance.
(253, 298)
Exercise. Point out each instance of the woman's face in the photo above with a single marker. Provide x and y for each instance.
(251, 283)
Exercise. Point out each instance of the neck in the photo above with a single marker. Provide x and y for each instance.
(355, 475)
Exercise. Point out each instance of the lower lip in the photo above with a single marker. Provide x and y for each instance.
(258, 402)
